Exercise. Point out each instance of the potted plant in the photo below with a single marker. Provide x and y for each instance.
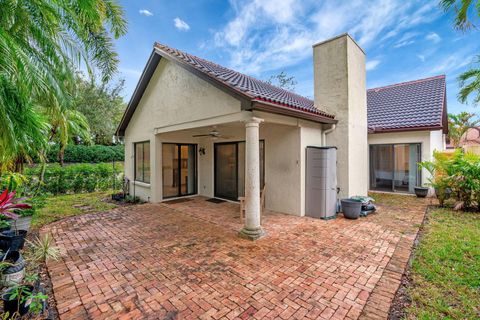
(351, 208)
(12, 268)
(22, 299)
(421, 192)
(12, 240)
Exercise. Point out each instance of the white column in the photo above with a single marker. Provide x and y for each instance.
(252, 229)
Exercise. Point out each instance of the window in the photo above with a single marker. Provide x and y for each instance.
(142, 161)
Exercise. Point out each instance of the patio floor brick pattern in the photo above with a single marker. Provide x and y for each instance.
(185, 261)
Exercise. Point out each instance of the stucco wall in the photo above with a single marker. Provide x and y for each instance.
(339, 75)
(173, 96)
(282, 168)
(429, 140)
(311, 135)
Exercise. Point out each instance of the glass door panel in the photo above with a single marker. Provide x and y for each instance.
(402, 168)
(381, 167)
(241, 169)
(170, 170)
(226, 183)
(187, 170)
(179, 173)
(394, 167)
(230, 169)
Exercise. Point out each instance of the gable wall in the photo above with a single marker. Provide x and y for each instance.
(173, 96)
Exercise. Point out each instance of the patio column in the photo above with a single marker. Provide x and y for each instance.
(252, 229)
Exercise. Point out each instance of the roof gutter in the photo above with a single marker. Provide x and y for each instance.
(297, 113)
(427, 128)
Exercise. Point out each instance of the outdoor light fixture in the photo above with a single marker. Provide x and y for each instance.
(201, 151)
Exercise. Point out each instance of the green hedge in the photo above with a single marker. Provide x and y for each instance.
(76, 178)
(88, 154)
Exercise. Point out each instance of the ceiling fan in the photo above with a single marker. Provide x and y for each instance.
(213, 134)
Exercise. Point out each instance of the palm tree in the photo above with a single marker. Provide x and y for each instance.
(67, 124)
(458, 125)
(463, 10)
(470, 84)
(467, 15)
(42, 42)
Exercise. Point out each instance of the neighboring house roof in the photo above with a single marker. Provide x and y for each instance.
(413, 105)
(471, 138)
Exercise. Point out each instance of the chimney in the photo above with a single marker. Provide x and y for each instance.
(339, 88)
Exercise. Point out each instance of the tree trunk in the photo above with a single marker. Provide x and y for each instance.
(61, 154)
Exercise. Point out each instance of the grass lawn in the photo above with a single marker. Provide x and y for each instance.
(446, 268)
(58, 207)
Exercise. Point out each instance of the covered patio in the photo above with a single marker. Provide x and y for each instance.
(183, 259)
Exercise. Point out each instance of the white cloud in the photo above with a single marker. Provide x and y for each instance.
(421, 57)
(434, 37)
(405, 40)
(145, 12)
(265, 35)
(452, 62)
(131, 72)
(372, 65)
(180, 24)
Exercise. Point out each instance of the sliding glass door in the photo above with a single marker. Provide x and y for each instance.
(230, 169)
(394, 167)
(179, 169)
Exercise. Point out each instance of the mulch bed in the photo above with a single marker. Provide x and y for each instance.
(402, 299)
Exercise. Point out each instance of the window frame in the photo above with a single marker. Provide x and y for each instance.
(135, 178)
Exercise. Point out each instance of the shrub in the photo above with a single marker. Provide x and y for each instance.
(459, 173)
(76, 178)
(88, 154)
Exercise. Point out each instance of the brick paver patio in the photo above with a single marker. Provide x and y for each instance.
(185, 261)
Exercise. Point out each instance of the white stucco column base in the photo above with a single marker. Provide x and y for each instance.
(252, 229)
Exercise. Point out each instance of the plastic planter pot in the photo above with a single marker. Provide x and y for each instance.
(12, 241)
(13, 274)
(421, 192)
(351, 208)
(13, 306)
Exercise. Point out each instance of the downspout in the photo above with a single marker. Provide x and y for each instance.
(325, 132)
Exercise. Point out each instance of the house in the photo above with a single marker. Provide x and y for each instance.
(470, 141)
(406, 123)
(195, 127)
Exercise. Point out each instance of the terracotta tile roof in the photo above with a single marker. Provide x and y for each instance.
(409, 105)
(253, 88)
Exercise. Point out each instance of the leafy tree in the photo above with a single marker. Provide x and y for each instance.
(41, 45)
(283, 81)
(467, 16)
(103, 107)
(458, 125)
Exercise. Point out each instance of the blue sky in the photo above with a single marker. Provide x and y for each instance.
(403, 40)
